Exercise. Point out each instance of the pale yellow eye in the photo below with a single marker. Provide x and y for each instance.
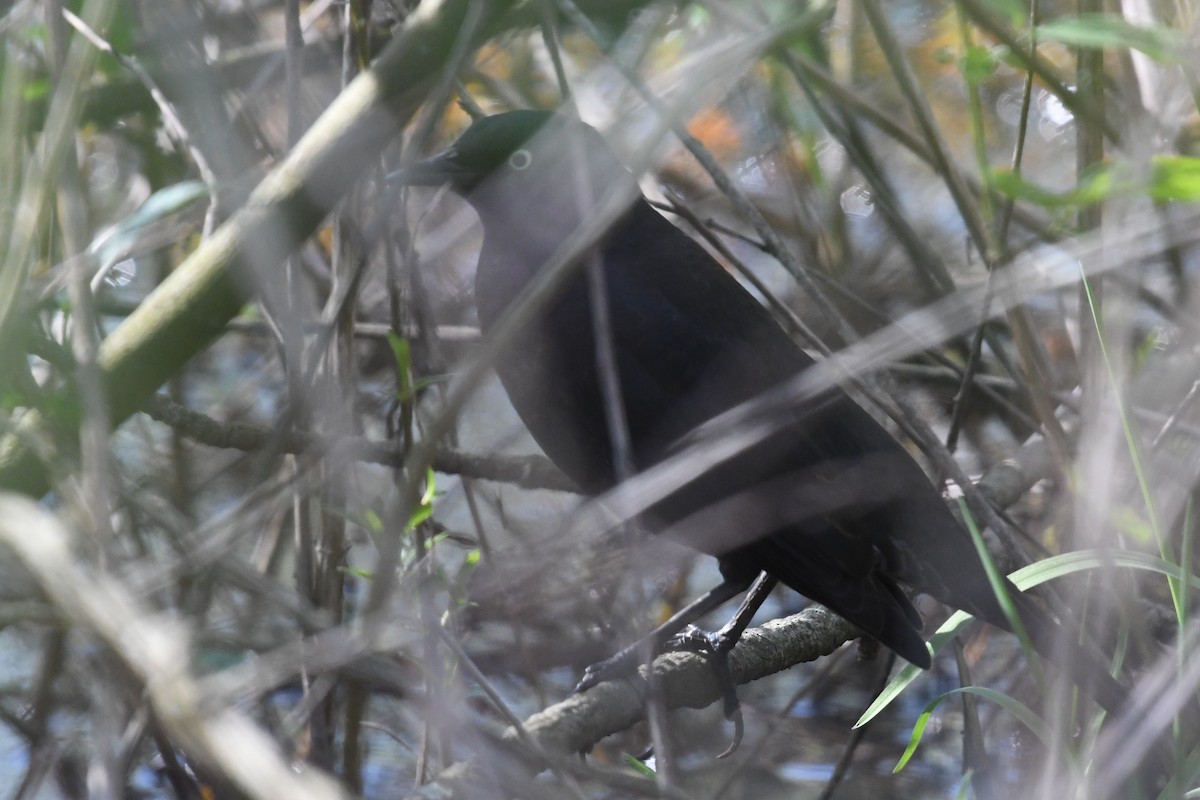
(520, 160)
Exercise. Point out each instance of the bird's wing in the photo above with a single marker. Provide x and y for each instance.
(814, 528)
(690, 341)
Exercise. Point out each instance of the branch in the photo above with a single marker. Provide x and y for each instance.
(528, 472)
(574, 725)
(191, 307)
(155, 649)
(687, 680)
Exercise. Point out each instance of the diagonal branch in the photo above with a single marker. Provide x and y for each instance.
(189, 309)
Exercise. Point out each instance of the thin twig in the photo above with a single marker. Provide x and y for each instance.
(172, 122)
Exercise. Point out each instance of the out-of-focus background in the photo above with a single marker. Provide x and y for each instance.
(263, 534)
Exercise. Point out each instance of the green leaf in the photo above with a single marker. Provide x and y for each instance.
(35, 90)
(1175, 178)
(639, 766)
(425, 508)
(1097, 185)
(432, 380)
(430, 487)
(979, 64)
(10, 399)
(1172, 178)
(1022, 712)
(1112, 31)
(917, 733)
(420, 515)
(909, 673)
(114, 243)
(400, 349)
(1026, 578)
(1081, 560)
(999, 586)
(963, 791)
(402, 352)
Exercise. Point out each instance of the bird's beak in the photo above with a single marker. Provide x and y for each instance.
(439, 170)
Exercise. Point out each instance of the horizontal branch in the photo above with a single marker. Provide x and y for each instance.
(528, 472)
(687, 679)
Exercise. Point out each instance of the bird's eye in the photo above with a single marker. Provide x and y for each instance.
(520, 160)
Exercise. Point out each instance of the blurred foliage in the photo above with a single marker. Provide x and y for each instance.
(269, 566)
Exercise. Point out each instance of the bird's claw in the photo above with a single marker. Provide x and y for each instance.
(589, 679)
(592, 676)
(739, 728)
(621, 665)
(716, 647)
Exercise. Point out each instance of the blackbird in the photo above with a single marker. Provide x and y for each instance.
(832, 506)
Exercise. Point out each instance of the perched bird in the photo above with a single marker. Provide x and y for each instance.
(833, 506)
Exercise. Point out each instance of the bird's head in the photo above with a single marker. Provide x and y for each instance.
(545, 166)
(534, 178)
(492, 145)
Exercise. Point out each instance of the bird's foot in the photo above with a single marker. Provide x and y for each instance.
(716, 646)
(621, 665)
